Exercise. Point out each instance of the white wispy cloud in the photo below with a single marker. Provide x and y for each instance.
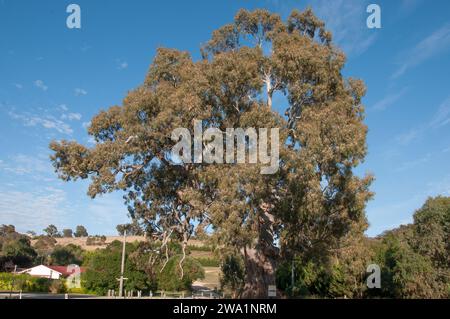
(34, 209)
(40, 84)
(48, 122)
(442, 116)
(63, 107)
(91, 140)
(439, 119)
(18, 85)
(22, 164)
(347, 20)
(409, 136)
(408, 6)
(86, 125)
(79, 91)
(389, 100)
(71, 116)
(121, 65)
(435, 43)
(106, 211)
(413, 163)
(440, 187)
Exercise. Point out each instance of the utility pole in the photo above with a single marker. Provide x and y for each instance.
(13, 279)
(292, 273)
(122, 266)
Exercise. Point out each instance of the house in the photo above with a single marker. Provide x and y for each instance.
(53, 272)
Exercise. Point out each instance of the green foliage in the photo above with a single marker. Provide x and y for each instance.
(95, 240)
(200, 248)
(132, 229)
(103, 269)
(44, 247)
(208, 262)
(27, 283)
(80, 231)
(51, 231)
(15, 249)
(68, 233)
(233, 274)
(66, 255)
(310, 280)
(170, 278)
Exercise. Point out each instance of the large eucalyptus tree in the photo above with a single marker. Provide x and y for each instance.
(305, 208)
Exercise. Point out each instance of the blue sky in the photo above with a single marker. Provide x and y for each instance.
(54, 79)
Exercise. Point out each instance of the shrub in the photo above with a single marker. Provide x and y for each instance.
(25, 282)
(170, 278)
(200, 248)
(208, 262)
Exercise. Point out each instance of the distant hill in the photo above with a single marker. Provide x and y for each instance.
(81, 241)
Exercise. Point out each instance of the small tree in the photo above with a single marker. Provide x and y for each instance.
(16, 251)
(132, 229)
(233, 274)
(67, 233)
(81, 231)
(51, 231)
(66, 255)
(44, 246)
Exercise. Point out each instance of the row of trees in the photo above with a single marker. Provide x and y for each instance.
(52, 231)
(102, 265)
(16, 250)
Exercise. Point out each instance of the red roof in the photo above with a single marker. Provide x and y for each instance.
(64, 270)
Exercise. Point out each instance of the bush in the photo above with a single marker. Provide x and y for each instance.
(170, 278)
(208, 262)
(200, 248)
(57, 287)
(103, 267)
(27, 283)
(66, 255)
(96, 240)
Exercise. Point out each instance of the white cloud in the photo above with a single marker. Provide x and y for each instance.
(33, 209)
(408, 137)
(439, 119)
(91, 140)
(121, 65)
(435, 43)
(442, 116)
(79, 92)
(86, 125)
(18, 86)
(411, 164)
(440, 187)
(22, 164)
(48, 122)
(389, 100)
(40, 84)
(71, 116)
(347, 21)
(408, 6)
(63, 107)
(107, 211)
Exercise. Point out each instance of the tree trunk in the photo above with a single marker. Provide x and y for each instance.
(261, 260)
(260, 273)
